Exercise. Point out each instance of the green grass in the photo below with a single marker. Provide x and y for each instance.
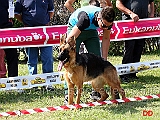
(148, 84)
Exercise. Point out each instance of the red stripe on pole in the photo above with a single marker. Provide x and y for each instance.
(126, 100)
(24, 112)
(38, 110)
(51, 108)
(138, 98)
(90, 104)
(65, 107)
(103, 103)
(158, 95)
(114, 101)
(12, 113)
(77, 106)
(149, 97)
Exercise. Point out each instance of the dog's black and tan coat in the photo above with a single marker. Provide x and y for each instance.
(86, 67)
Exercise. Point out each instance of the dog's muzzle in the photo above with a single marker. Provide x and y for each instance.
(63, 58)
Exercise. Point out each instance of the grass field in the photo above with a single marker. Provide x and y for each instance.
(147, 84)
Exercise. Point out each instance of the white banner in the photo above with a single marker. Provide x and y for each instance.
(22, 82)
(137, 67)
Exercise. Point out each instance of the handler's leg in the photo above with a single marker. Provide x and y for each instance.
(92, 44)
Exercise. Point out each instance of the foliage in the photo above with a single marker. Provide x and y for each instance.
(157, 8)
(17, 23)
(61, 14)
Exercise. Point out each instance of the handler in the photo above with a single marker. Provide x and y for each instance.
(83, 24)
(69, 5)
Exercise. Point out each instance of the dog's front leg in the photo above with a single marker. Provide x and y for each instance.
(70, 93)
(79, 92)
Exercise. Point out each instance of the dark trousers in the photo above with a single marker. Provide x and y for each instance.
(132, 51)
(12, 61)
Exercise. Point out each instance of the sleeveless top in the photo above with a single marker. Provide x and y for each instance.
(90, 10)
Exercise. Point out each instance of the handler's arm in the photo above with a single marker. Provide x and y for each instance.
(51, 15)
(18, 17)
(151, 7)
(82, 24)
(74, 32)
(68, 4)
(105, 43)
(125, 10)
(122, 8)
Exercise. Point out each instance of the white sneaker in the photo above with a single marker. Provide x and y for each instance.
(66, 100)
(95, 96)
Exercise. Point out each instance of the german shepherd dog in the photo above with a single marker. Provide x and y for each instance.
(86, 67)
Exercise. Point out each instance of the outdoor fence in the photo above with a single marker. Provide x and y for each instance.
(50, 35)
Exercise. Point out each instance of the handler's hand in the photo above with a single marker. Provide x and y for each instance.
(134, 17)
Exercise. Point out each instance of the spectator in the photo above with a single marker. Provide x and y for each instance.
(11, 53)
(135, 10)
(3, 70)
(36, 13)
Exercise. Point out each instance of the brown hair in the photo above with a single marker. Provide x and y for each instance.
(108, 14)
(94, 2)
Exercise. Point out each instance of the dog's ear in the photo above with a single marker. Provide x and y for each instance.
(72, 41)
(63, 39)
